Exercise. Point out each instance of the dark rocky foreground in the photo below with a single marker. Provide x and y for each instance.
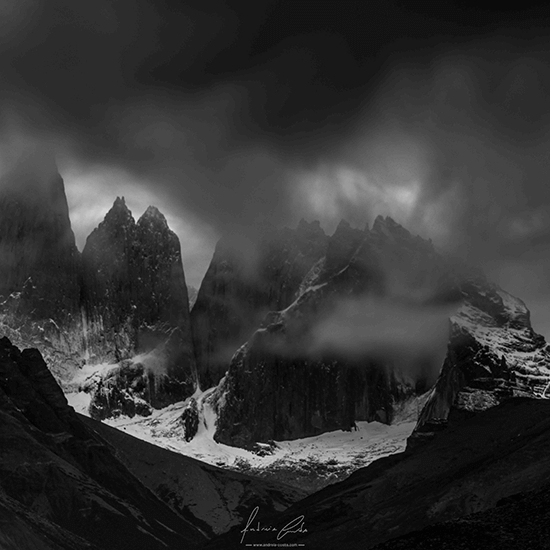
(70, 483)
(60, 483)
(211, 497)
(494, 464)
(518, 522)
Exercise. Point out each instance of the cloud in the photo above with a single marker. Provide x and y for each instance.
(452, 147)
(413, 336)
(230, 119)
(91, 192)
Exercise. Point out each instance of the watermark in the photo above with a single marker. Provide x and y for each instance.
(297, 525)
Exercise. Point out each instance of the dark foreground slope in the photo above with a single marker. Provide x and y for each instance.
(218, 499)
(480, 459)
(61, 486)
(521, 522)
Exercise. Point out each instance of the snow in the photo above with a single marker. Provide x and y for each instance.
(512, 304)
(529, 359)
(79, 401)
(350, 450)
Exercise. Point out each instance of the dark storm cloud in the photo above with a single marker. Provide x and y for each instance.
(235, 115)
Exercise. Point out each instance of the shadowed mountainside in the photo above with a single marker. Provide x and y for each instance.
(60, 482)
(215, 497)
(480, 459)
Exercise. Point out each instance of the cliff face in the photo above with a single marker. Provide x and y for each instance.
(340, 352)
(234, 295)
(135, 299)
(40, 267)
(122, 302)
(493, 354)
(307, 370)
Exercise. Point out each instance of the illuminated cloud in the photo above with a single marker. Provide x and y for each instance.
(334, 193)
(91, 191)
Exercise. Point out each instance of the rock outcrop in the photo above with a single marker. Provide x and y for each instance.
(493, 354)
(137, 313)
(242, 284)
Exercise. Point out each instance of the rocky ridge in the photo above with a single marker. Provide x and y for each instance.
(283, 384)
(122, 302)
(136, 304)
(234, 295)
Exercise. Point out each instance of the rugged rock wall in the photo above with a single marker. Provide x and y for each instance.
(40, 267)
(135, 302)
(493, 355)
(242, 284)
(124, 300)
(288, 382)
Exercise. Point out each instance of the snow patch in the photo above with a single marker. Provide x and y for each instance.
(344, 451)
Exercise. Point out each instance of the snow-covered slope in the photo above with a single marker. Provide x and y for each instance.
(493, 355)
(308, 463)
(526, 353)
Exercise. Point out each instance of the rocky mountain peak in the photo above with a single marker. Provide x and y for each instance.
(153, 217)
(36, 242)
(395, 239)
(135, 298)
(230, 304)
(341, 246)
(120, 203)
(310, 228)
(389, 227)
(119, 215)
(493, 352)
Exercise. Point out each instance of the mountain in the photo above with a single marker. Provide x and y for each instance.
(493, 463)
(214, 498)
(493, 354)
(242, 284)
(40, 268)
(294, 333)
(367, 332)
(112, 321)
(136, 311)
(61, 485)
(356, 343)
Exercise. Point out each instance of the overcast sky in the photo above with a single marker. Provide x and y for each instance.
(229, 114)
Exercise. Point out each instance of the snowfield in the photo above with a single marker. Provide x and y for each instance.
(310, 463)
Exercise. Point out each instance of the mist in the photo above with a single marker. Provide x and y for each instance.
(383, 327)
(229, 119)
